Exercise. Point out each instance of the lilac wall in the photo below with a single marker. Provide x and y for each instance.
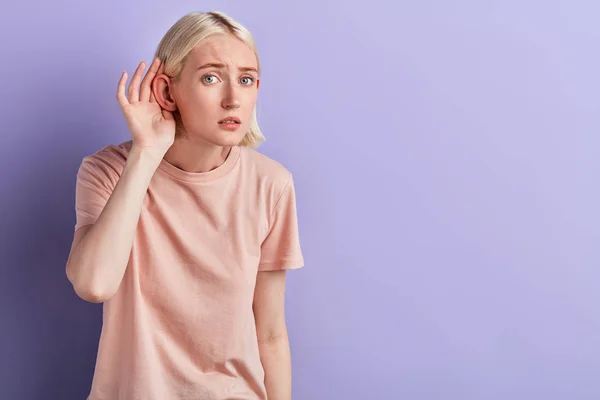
(446, 161)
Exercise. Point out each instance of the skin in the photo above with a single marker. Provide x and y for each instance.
(205, 96)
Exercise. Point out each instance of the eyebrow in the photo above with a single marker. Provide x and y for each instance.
(217, 65)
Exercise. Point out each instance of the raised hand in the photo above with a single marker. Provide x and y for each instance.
(152, 127)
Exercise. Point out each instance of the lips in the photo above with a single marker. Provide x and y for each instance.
(230, 120)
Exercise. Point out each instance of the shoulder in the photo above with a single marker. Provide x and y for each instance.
(265, 169)
(105, 166)
(112, 157)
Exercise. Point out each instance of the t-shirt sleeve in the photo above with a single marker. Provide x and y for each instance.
(281, 248)
(95, 183)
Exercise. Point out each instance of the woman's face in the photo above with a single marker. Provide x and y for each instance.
(219, 80)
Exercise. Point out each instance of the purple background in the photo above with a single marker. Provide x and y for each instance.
(446, 158)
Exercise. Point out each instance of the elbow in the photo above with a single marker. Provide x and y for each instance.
(92, 296)
(273, 338)
(88, 291)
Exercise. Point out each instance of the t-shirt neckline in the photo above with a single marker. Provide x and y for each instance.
(211, 175)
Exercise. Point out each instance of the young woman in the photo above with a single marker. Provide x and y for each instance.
(185, 232)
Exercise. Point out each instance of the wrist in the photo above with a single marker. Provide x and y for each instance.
(144, 159)
(146, 155)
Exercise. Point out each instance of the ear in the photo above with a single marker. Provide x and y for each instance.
(161, 88)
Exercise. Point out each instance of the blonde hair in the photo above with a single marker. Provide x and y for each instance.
(176, 45)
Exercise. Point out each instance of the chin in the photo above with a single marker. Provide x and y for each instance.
(224, 140)
(221, 138)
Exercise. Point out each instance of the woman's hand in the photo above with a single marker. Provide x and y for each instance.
(152, 127)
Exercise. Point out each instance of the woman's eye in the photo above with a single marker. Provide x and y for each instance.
(249, 80)
(209, 76)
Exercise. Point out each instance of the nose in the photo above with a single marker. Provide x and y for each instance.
(230, 98)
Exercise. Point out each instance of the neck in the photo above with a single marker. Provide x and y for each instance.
(196, 156)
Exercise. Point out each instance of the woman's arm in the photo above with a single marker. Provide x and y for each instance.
(100, 252)
(272, 334)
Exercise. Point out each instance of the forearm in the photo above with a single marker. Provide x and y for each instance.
(97, 263)
(276, 360)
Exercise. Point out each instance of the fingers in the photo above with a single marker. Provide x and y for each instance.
(121, 98)
(146, 88)
(133, 95)
(133, 92)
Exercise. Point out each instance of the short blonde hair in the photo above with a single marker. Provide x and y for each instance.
(176, 45)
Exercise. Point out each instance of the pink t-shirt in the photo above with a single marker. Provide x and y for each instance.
(181, 324)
